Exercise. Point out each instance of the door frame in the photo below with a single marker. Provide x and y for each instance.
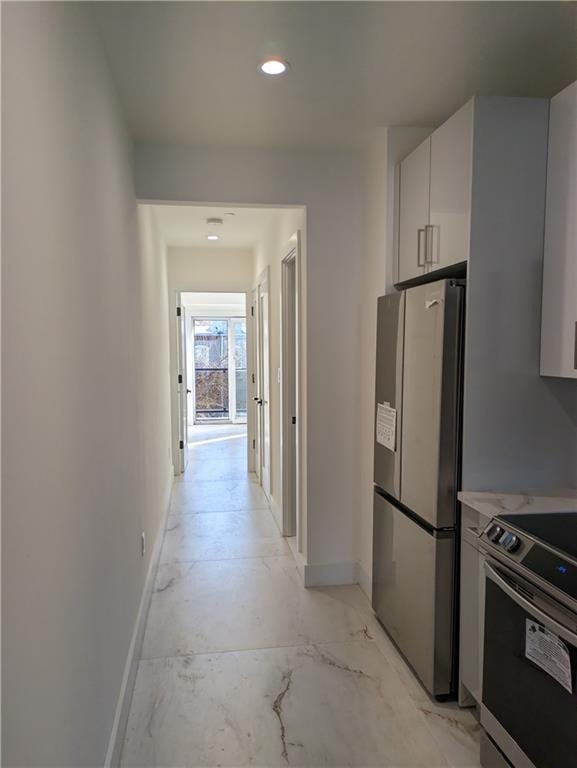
(180, 448)
(290, 375)
(253, 442)
(174, 302)
(263, 455)
(231, 364)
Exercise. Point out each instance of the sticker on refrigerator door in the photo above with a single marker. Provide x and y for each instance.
(548, 652)
(386, 428)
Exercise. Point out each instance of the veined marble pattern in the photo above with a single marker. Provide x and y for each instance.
(221, 535)
(226, 495)
(242, 666)
(491, 503)
(241, 604)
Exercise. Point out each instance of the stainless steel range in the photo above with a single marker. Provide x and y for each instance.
(529, 700)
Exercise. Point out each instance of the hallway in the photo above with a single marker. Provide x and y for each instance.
(243, 666)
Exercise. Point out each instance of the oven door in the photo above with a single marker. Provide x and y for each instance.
(529, 664)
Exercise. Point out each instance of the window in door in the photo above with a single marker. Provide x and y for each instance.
(220, 370)
(211, 370)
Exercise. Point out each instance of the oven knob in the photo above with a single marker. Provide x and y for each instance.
(512, 544)
(494, 532)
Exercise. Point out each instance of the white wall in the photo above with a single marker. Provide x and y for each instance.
(328, 183)
(387, 147)
(155, 374)
(212, 304)
(210, 269)
(270, 252)
(79, 309)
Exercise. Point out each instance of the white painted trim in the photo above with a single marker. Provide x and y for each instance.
(116, 741)
(276, 513)
(264, 279)
(330, 574)
(365, 581)
(300, 563)
(290, 372)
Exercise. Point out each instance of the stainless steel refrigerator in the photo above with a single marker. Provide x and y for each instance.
(416, 476)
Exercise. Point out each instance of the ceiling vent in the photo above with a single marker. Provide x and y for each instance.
(212, 221)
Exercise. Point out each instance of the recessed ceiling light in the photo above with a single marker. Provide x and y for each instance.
(273, 65)
(212, 237)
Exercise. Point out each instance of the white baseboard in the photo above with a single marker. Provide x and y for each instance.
(365, 581)
(276, 513)
(299, 559)
(330, 574)
(116, 741)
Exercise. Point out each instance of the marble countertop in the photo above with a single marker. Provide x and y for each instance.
(491, 503)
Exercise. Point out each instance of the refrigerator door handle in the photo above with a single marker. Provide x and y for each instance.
(431, 303)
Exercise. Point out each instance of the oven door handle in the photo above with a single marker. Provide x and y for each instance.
(537, 613)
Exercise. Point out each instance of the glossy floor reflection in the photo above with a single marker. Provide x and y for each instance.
(243, 666)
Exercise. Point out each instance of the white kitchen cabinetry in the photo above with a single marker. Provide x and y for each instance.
(559, 309)
(435, 199)
(414, 208)
(450, 190)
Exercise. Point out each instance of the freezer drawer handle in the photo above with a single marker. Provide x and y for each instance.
(431, 303)
(528, 606)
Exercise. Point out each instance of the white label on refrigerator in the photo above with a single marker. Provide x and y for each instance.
(386, 426)
(548, 652)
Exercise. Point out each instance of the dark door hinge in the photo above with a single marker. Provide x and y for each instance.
(294, 419)
(181, 444)
(180, 378)
(178, 311)
(253, 444)
(253, 380)
(252, 311)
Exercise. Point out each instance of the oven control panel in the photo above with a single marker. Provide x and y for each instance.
(505, 540)
(558, 571)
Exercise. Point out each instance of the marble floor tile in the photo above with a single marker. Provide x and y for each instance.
(226, 495)
(221, 535)
(456, 730)
(338, 704)
(237, 604)
(242, 666)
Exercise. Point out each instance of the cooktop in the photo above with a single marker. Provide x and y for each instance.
(557, 529)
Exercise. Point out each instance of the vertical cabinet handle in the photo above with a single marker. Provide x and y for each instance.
(432, 244)
(420, 249)
(575, 350)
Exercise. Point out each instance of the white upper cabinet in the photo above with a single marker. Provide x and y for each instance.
(414, 211)
(435, 199)
(559, 309)
(450, 190)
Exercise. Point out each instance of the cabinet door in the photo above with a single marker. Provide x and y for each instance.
(450, 197)
(413, 211)
(559, 309)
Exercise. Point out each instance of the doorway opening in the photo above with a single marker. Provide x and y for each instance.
(216, 364)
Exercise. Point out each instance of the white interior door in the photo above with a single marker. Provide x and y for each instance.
(237, 370)
(255, 410)
(263, 401)
(182, 388)
(289, 394)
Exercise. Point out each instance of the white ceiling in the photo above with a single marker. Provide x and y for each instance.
(186, 71)
(185, 225)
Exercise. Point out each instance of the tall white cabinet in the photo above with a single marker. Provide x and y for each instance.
(472, 202)
(435, 199)
(559, 310)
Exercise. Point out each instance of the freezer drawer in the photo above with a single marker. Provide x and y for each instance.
(388, 386)
(413, 595)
